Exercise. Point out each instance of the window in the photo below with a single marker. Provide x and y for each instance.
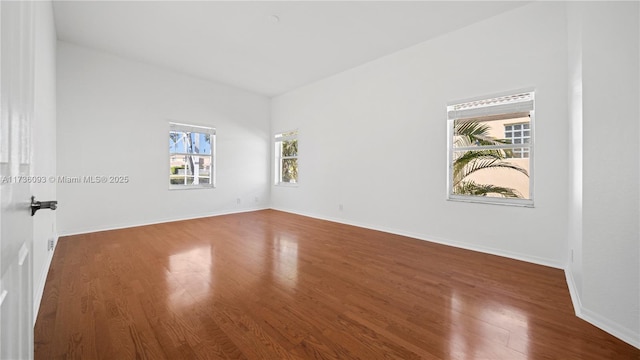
(518, 134)
(491, 150)
(191, 156)
(286, 161)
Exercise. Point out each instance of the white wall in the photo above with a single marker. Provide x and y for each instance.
(43, 143)
(113, 117)
(374, 138)
(575, 110)
(606, 271)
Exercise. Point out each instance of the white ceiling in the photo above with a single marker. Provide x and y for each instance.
(240, 44)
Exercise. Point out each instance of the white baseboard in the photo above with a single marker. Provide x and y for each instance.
(157, 221)
(611, 327)
(573, 292)
(597, 320)
(38, 289)
(461, 245)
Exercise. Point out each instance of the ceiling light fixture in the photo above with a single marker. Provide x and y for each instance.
(274, 19)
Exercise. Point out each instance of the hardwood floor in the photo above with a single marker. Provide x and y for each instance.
(272, 285)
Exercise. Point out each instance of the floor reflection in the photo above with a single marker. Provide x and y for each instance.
(285, 260)
(189, 277)
(486, 329)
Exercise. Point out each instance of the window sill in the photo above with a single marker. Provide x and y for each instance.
(492, 201)
(293, 185)
(191, 187)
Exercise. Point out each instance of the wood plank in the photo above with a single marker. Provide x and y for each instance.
(273, 285)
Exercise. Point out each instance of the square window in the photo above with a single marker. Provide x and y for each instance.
(490, 150)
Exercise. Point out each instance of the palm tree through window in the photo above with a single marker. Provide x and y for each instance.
(491, 149)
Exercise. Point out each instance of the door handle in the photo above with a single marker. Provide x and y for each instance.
(37, 205)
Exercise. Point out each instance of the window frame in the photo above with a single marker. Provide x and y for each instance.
(482, 109)
(279, 137)
(190, 128)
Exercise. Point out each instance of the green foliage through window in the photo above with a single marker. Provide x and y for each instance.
(286, 150)
(468, 162)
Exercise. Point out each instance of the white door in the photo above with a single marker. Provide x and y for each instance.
(16, 109)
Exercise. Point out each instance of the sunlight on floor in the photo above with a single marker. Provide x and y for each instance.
(190, 273)
(503, 330)
(285, 266)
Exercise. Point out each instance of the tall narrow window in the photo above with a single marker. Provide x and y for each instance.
(491, 150)
(191, 156)
(286, 157)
